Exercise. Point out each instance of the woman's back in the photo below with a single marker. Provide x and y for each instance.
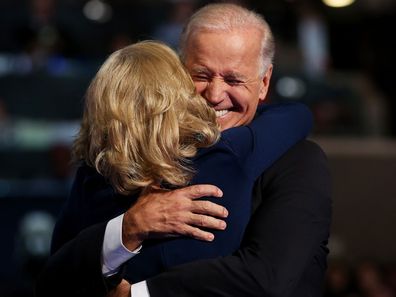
(232, 164)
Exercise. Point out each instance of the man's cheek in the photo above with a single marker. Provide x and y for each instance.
(199, 87)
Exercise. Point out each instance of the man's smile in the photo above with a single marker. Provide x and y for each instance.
(222, 112)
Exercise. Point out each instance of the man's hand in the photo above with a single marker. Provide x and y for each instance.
(123, 289)
(171, 213)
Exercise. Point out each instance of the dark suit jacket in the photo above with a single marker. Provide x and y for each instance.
(283, 252)
(284, 248)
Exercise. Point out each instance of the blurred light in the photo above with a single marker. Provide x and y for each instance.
(15, 64)
(98, 11)
(36, 232)
(337, 246)
(338, 3)
(290, 87)
(48, 36)
(5, 188)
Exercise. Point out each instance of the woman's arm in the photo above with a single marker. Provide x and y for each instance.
(275, 129)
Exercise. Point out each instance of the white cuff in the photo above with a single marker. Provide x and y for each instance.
(114, 253)
(140, 289)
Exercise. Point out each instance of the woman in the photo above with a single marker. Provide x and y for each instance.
(144, 127)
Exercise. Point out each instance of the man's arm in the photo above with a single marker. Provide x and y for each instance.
(75, 269)
(284, 248)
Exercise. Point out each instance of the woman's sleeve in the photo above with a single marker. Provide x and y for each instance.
(276, 128)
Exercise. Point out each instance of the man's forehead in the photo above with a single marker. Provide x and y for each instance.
(200, 69)
(226, 54)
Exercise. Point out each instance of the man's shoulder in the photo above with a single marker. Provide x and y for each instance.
(304, 151)
(303, 166)
(304, 157)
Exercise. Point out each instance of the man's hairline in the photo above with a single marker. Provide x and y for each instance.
(263, 69)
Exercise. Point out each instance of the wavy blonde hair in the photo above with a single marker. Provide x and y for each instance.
(143, 119)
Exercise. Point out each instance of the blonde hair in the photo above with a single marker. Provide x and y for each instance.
(229, 17)
(143, 119)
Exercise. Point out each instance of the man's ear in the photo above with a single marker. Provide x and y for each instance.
(265, 84)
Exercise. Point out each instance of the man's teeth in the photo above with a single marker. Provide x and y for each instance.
(220, 113)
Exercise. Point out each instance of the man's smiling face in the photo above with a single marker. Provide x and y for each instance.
(225, 69)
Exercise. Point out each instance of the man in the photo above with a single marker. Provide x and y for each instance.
(228, 51)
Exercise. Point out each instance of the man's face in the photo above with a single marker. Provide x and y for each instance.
(225, 70)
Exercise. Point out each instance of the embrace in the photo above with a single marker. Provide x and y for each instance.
(186, 184)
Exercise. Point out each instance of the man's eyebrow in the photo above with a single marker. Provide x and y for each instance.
(236, 75)
(199, 69)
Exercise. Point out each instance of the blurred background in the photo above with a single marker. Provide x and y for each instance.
(338, 57)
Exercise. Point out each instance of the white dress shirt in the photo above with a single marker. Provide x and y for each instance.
(114, 254)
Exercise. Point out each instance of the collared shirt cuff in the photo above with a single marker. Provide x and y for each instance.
(140, 289)
(114, 253)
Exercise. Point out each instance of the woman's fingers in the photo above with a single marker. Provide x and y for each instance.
(123, 289)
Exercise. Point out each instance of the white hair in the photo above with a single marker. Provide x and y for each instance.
(230, 17)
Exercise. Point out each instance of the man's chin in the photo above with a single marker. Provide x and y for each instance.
(227, 123)
(231, 122)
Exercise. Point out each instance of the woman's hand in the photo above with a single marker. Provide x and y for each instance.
(122, 290)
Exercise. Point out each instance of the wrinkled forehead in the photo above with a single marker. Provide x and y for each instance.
(255, 32)
(238, 48)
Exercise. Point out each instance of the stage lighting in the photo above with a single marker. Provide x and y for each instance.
(338, 3)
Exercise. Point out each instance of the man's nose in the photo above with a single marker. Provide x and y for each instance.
(214, 92)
